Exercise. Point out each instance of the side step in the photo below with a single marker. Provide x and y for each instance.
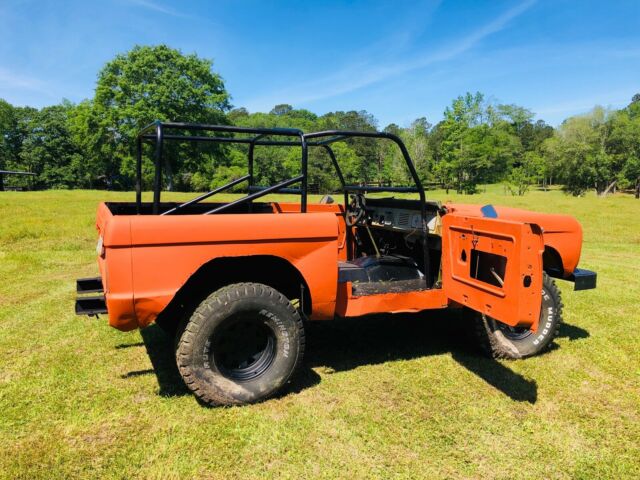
(361, 289)
(93, 305)
(90, 304)
(89, 285)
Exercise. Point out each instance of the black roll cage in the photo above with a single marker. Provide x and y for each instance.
(11, 172)
(155, 132)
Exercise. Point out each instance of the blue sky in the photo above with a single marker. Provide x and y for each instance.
(398, 60)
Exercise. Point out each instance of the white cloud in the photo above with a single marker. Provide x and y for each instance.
(13, 81)
(156, 7)
(362, 74)
(617, 99)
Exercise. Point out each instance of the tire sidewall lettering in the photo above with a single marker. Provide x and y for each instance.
(283, 337)
(548, 317)
(505, 343)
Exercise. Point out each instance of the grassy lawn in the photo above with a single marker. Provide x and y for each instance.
(385, 397)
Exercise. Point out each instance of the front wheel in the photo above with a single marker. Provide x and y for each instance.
(502, 341)
(241, 345)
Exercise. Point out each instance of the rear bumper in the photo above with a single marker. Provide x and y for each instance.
(583, 279)
(90, 304)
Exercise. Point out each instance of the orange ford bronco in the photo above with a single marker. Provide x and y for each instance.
(235, 280)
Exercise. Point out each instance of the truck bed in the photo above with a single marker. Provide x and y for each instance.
(129, 208)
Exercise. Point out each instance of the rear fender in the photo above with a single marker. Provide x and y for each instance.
(168, 251)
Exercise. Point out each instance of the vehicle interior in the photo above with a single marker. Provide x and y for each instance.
(393, 244)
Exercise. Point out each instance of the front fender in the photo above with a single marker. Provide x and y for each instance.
(561, 233)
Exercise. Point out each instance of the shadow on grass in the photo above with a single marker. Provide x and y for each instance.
(342, 345)
(572, 332)
(129, 345)
(346, 344)
(160, 350)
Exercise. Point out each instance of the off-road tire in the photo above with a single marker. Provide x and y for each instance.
(499, 341)
(239, 315)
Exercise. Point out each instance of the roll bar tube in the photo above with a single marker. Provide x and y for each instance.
(159, 137)
(318, 139)
(204, 196)
(338, 135)
(253, 196)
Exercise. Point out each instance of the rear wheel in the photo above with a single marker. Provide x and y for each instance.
(502, 341)
(241, 345)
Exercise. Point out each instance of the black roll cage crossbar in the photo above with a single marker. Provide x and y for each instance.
(159, 137)
(155, 132)
(11, 172)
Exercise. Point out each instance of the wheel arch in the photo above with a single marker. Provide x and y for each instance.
(552, 262)
(270, 270)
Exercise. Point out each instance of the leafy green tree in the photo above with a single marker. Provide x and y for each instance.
(475, 143)
(416, 138)
(515, 115)
(366, 149)
(236, 115)
(274, 164)
(282, 109)
(449, 137)
(48, 149)
(552, 154)
(16, 128)
(518, 181)
(7, 125)
(391, 164)
(154, 83)
(521, 177)
(467, 109)
(623, 143)
(532, 135)
(95, 161)
(584, 161)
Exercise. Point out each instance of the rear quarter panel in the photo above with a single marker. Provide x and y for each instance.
(115, 267)
(166, 251)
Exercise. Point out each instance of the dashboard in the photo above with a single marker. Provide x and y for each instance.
(396, 218)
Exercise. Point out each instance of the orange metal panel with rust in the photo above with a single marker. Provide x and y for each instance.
(517, 301)
(166, 250)
(115, 268)
(348, 305)
(561, 232)
(337, 209)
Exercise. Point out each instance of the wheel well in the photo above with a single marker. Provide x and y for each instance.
(552, 262)
(219, 272)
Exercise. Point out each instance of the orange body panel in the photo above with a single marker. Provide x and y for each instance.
(349, 305)
(146, 259)
(517, 301)
(116, 272)
(563, 233)
(164, 251)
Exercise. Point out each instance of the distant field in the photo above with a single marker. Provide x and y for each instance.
(385, 397)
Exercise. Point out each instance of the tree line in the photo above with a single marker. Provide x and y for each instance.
(91, 144)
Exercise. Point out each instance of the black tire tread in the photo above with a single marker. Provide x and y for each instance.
(189, 329)
(492, 346)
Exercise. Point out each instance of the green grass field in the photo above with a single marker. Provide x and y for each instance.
(385, 397)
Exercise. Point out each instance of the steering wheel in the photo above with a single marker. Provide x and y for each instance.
(356, 210)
